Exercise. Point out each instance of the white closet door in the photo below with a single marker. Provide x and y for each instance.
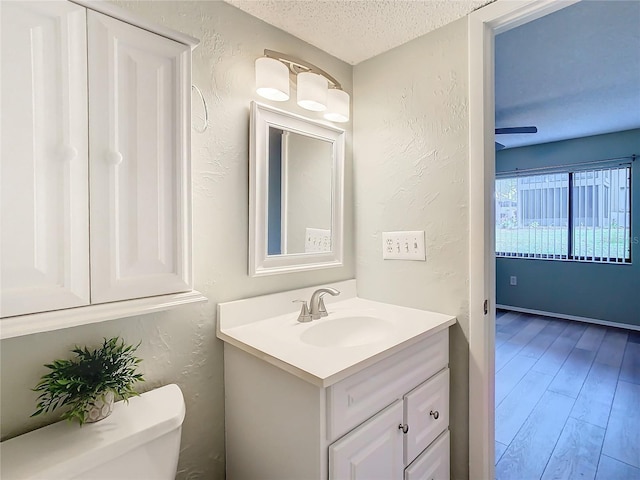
(373, 451)
(44, 218)
(139, 111)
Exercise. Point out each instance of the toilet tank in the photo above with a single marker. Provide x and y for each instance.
(139, 440)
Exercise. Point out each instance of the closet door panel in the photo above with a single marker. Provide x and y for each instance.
(44, 218)
(139, 88)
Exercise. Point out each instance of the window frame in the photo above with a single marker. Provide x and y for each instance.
(571, 171)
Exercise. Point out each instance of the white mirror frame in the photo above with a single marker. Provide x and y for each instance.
(263, 117)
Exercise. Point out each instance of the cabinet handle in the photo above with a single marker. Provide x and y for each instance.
(435, 414)
(404, 427)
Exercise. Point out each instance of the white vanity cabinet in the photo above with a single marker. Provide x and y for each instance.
(96, 206)
(387, 421)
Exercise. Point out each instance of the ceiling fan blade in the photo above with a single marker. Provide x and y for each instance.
(499, 146)
(507, 130)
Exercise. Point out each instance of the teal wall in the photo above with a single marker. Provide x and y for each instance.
(599, 291)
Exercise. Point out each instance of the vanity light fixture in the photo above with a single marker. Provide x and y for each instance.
(272, 79)
(337, 106)
(316, 89)
(312, 91)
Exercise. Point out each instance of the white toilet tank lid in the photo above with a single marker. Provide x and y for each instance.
(64, 447)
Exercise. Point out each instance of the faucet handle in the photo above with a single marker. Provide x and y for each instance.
(304, 316)
(322, 310)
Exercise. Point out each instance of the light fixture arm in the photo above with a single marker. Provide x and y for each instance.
(297, 66)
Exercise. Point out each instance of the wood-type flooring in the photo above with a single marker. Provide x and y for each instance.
(567, 400)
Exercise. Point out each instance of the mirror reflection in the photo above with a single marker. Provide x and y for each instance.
(299, 193)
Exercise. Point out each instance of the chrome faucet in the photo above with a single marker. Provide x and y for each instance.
(317, 308)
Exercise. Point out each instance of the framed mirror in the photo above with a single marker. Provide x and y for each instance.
(296, 184)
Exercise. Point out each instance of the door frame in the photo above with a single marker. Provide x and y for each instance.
(483, 25)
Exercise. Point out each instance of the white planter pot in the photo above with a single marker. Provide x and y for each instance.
(101, 408)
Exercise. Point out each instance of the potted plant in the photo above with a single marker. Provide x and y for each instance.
(89, 382)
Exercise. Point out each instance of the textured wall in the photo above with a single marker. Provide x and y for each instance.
(411, 171)
(180, 346)
(592, 290)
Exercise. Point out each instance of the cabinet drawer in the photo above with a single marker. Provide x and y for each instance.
(433, 464)
(426, 411)
(358, 397)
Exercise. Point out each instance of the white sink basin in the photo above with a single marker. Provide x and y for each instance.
(358, 332)
(347, 332)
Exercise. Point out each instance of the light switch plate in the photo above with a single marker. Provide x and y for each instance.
(403, 245)
(317, 240)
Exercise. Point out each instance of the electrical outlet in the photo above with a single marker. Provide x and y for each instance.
(403, 245)
(513, 281)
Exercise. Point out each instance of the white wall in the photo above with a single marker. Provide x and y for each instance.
(180, 346)
(410, 171)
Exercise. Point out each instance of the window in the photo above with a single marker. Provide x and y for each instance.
(572, 215)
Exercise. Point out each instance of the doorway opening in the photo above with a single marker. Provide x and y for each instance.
(564, 382)
(484, 25)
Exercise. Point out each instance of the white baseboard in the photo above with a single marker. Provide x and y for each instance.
(570, 317)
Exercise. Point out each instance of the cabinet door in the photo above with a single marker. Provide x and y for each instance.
(433, 463)
(139, 111)
(372, 451)
(44, 201)
(426, 411)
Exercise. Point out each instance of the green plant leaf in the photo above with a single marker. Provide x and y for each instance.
(78, 381)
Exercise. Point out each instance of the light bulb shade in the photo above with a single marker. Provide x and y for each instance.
(337, 106)
(312, 91)
(272, 79)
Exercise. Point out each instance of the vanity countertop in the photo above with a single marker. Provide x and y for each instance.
(323, 352)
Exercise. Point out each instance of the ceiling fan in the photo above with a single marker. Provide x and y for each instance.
(510, 130)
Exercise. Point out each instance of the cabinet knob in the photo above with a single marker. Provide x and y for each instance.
(404, 427)
(434, 414)
(67, 153)
(114, 157)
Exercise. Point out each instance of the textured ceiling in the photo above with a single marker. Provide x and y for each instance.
(355, 30)
(573, 73)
